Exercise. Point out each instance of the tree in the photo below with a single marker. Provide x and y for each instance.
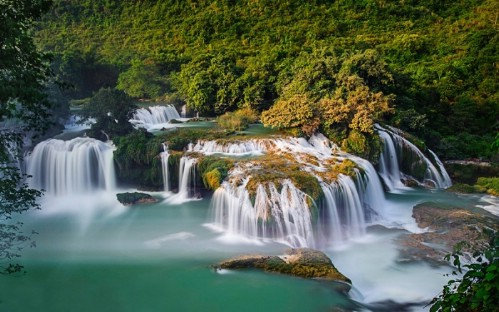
(112, 109)
(299, 112)
(141, 80)
(24, 109)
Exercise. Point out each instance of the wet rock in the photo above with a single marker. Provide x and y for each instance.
(447, 227)
(135, 198)
(302, 262)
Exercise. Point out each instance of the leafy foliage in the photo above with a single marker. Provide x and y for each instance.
(437, 58)
(112, 110)
(478, 289)
(24, 107)
(237, 120)
(298, 112)
(213, 170)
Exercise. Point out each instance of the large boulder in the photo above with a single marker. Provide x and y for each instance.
(302, 262)
(135, 198)
(447, 226)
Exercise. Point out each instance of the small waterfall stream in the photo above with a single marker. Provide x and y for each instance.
(280, 215)
(186, 181)
(77, 166)
(154, 117)
(165, 155)
(394, 147)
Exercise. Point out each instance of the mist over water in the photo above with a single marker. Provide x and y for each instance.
(155, 256)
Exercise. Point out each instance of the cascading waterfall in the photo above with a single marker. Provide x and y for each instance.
(154, 116)
(349, 203)
(164, 166)
(186, 180)
(445, 176)
(236, 148)
(390, 161)
(281, 215)
(71, 167)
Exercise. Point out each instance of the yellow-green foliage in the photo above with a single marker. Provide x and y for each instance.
(356, 143)
(466, 188)
(275, 168)
(296, 112)
(491, 184)
(355, 106)
(364, 145)
(213, 170)
(346, 167)
(212, 179)
(237, 120)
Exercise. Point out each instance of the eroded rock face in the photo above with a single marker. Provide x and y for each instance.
(447, 227)
(302, 262)
(135, 198)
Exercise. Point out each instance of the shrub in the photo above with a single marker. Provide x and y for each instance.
(491, 184)
(478, 289)
(237, 120)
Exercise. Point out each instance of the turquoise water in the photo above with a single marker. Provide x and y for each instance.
(94, 254)
(154, 257)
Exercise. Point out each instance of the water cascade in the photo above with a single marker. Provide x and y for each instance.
(71, 167)
(164, 166)
(186, 180)
(154, 117)
(394, 148)
(280, 210)
(280, 215)
(236, 148)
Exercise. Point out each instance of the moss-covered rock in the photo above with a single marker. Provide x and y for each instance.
(491, 185)
(302, 262)
(213, 170)
(135, 198)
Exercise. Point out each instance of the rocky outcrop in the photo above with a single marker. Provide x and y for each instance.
(135, 198)
(302, 262)
(447, 227)
(468, 171)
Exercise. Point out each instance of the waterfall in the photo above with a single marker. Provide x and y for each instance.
(154, 117)
(281, 215)
(164, 166)
(280, 210)
(394, 147)
(186, 180)
(388, 163)
(445, 176)
(237, 148)
(81, 165)
(183, 111)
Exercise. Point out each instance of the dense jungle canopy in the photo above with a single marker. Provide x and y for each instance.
(428, 67)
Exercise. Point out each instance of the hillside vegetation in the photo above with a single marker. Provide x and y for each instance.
(428, 67)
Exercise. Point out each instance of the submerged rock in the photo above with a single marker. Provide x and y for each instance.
(302, 262)
(135, 198)
(447, 227)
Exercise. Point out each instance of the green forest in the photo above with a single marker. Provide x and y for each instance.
(427, 67)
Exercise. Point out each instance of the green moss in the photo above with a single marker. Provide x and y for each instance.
(363, 145)
(276, 168)
(466, 188)
(490, 184)
(213, 170)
